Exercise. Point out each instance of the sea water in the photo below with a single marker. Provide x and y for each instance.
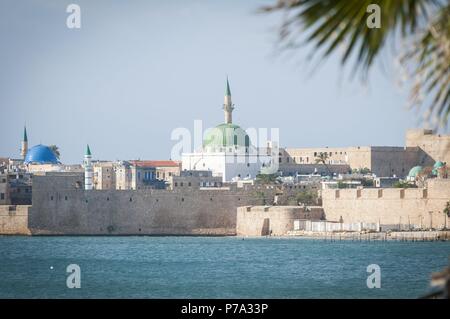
(215, 267)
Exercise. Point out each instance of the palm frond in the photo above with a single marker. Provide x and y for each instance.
(332, 24)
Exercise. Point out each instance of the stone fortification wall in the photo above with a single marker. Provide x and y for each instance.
(14, 220)
(60, 207)
(391, 207)
(272, 220)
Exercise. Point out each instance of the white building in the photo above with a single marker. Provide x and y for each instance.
(227, 150)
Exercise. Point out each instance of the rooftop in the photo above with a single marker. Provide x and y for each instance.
(162, 163)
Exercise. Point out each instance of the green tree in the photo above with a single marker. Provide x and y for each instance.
(447, 209)
(401, 184)
(266, 178)
(422, 27)
(55, 150)
(322, 158)
(307, 197)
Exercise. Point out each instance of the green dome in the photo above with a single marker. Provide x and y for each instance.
(438, 164)
(226, 135)
(413, 172)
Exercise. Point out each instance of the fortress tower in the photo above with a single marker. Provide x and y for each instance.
(228, 106)
(88, 169)
(24, 148)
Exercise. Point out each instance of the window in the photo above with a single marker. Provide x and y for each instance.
(65, 197)
(181, 184)
(189, 184)
(51, 197)
(176, 184)
(2, 195)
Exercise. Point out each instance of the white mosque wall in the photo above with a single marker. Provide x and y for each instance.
(227, 165)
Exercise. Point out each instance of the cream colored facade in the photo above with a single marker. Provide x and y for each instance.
(422, 148)
(435, 147)
(143, 174)
(167, 171)
(123, 175)
(104, 175)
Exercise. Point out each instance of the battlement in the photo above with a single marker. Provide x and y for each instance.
(411, 207)
(436, 188)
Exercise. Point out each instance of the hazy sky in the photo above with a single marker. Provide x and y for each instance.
(138, 69)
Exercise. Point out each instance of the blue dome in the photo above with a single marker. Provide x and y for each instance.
(40, 154)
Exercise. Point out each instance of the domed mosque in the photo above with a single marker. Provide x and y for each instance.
(227, 135)
(39, 158)
(38, 154)
(227, 150)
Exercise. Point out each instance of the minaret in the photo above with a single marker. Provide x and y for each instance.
(24, 148)
(228, 106)
(88, 171)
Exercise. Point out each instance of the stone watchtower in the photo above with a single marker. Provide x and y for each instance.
(228, 106)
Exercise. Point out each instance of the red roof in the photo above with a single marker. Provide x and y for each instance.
(156, 163)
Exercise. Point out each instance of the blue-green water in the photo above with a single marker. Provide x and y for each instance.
(219, 267)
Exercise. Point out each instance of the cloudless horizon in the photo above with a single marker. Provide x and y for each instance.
(137, 70)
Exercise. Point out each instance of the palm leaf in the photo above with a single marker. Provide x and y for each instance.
(329, 24)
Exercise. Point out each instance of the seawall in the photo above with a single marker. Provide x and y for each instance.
(14, 220)
(392, 208)
(272, 220)
(60, 208)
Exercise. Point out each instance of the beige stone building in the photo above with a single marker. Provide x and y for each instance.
(104, 175)
(392, 208)
(433, 147)
(195, 180)
(422, 148)
(131, 175)
(166, 169)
